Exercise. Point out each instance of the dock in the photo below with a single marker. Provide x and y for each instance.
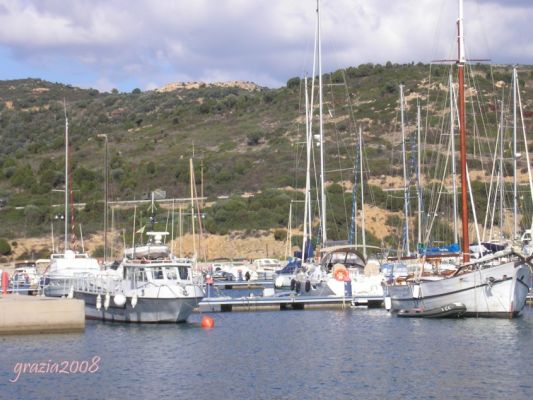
(291, 302)
(20, 314)
(243, 284)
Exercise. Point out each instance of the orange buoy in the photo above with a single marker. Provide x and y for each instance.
(208, 322)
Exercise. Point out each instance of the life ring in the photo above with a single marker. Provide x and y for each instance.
(340, 272)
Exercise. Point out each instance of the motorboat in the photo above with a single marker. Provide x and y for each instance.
(25, 278)
(149, 285)
(266, 267)
(454, 310)
(64, 269)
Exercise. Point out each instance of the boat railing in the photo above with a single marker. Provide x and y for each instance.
(97, 283)
(158, 261)
(18, 286)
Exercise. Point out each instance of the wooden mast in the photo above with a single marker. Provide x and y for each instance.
(465, 247)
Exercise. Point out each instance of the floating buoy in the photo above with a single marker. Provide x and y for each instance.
(208, 322)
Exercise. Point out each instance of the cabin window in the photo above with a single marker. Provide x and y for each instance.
(353, 259)
(140, 275)
(172, 273)
(184, 273)
(157, 273)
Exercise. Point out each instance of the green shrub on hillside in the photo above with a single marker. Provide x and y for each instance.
(5, 248)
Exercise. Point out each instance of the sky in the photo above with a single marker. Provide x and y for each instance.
(127, 44)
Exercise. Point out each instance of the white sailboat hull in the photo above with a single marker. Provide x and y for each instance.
(498, 291)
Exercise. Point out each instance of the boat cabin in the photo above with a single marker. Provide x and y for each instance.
(345, 255)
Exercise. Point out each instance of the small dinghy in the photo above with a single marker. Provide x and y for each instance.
(453, 310)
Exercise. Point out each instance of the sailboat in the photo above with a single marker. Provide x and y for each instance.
(341, 270)
(495, 285)
(65, 267)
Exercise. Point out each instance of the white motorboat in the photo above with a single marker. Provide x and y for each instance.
(149, 285)
(64, 269)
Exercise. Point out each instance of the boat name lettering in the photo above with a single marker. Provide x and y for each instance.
(57, 367)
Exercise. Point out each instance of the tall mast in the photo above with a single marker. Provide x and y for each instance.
(308, 170)
(454, 168)
(363, 225)
(515, 154)
(191, 173)
(418, 172)
(465, 247)
(322, 190)
(406, 184)
(66, 176)
(500, 175)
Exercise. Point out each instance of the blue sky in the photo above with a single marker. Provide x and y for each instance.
(126, 44)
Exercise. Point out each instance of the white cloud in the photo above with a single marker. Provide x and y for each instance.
(146, 43)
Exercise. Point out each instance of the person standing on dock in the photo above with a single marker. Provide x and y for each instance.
(209, 284)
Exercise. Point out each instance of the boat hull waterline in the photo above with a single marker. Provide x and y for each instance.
(146, 310)
(498, 291)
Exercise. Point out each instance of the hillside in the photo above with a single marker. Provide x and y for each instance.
(243, 138)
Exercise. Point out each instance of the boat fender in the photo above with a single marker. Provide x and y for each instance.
(293, 284)
(307, 286)
(98, 302)
(185, 293)
(107, 300)
(298, 286)
(388, 303)
(134, 300)
(71, 293)
(119, 300)
(417, 293)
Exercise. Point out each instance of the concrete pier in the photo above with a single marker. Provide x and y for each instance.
(36, 314)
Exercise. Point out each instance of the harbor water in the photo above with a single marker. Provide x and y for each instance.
(317, 354)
